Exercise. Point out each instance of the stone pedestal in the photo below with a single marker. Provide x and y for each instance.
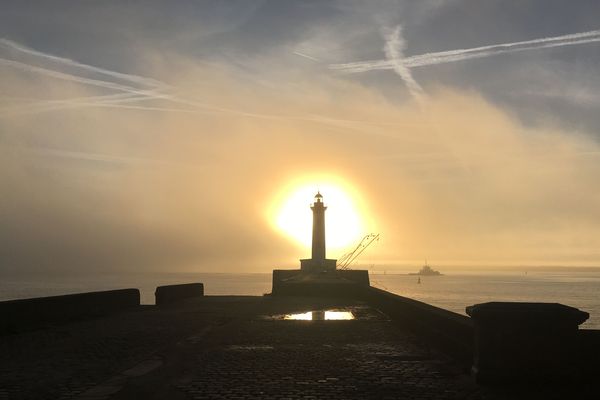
(312, 265)
(521, 342)
(336, 283)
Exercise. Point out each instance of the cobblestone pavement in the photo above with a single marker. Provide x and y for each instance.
(229, 348)
(62, 362)
(319, 359)
(252, 357)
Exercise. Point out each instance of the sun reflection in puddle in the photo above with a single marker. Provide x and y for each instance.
(328, 315)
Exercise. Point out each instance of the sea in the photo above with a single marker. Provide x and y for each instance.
(455, 290)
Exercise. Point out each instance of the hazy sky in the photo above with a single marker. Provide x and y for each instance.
(155, 135)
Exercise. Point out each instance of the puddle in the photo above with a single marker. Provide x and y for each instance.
(322, 315)
(359, 312)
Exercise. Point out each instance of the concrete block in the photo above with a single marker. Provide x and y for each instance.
(174, 293)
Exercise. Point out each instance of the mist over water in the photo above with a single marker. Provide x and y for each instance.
(454, 291)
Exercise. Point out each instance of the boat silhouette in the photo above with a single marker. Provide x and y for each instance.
(426, 270)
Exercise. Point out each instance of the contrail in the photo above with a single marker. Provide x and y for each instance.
(394, 49)
(44, 105)
(119, 100)
(475, 52)
(89, 68)
(306, 56)
(79, 79)
(137, 88)
(486, 51)
(133, 89)
(136, 94)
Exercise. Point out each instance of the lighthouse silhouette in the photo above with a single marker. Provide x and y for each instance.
(318, 262)
(318, 275)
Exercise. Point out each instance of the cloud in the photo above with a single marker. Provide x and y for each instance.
(175, 167)
(126, 189)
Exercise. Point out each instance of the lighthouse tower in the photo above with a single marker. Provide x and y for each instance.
(318, 275)
(318, 262)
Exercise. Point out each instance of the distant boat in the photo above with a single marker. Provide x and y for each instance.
(426, 271)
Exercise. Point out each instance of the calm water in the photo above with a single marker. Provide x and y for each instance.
(454, 291)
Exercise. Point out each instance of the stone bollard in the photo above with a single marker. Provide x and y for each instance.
(524, 342)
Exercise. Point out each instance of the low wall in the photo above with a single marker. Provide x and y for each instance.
(173, 293)
(280, 276)
(359, 276)
(456, 334)
(446, 330)
(18, 315)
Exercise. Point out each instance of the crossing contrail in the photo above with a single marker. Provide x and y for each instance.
(448, 56)
(394, 49)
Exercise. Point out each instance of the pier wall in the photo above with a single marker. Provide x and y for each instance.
(446, 330)
(457, 336)
(24, 314)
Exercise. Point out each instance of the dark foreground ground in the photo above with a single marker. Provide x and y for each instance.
(230, 348)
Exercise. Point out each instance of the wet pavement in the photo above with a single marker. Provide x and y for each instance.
(230, 348)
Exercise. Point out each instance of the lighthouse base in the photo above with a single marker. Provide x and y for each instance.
(336, 283)
(312, 265)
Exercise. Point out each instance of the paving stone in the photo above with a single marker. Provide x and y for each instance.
(229, 348)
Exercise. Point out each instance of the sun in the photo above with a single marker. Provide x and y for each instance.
(292, 215)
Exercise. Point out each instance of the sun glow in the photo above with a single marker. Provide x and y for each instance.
(343, 223)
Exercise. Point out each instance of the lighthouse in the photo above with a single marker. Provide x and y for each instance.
(318, 275)
(318, 262)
